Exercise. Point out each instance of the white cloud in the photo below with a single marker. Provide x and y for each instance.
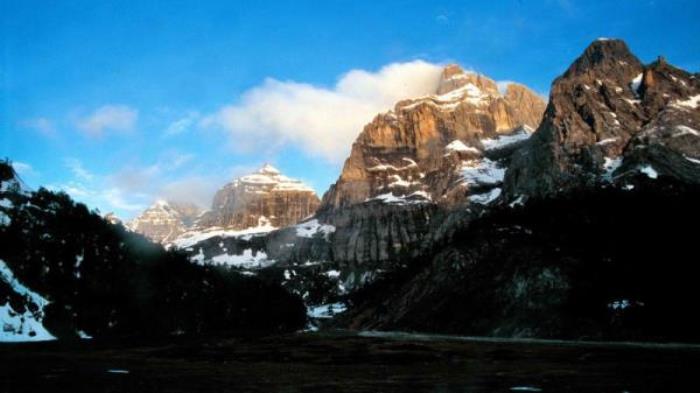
(182, 124)
(24, 169)
(40, 124)
(321, 121)
(194, 189)
(78, 170)
(108, 118)
(442, 19)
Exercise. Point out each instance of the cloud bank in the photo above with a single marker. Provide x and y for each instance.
(321, 121)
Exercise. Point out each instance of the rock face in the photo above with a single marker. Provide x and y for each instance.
(265, 196)
(609, 115)
(164, 221)
(416, 151)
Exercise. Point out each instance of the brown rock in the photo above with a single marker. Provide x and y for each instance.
(402, 153)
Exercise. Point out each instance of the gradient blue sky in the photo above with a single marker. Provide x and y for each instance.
(112, 101)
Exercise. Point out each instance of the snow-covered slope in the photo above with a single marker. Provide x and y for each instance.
(24, 324)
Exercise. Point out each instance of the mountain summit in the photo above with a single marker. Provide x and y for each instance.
(265, 195)
(421, 150)
(608, 117)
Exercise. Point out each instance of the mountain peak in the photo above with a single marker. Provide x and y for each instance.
(268, 169)
(604, 54)
(160, 203)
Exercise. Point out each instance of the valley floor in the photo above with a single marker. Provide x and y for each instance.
(348, 362)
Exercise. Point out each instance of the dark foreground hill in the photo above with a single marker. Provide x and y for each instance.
(67, 272)
(605, 263)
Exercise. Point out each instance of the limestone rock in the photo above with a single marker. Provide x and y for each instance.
(417, 150)
(265, 195)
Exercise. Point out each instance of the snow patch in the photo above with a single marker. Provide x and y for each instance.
(246, 260)
(189, 239)
(610, 165)
(332, 273)
(649, 171)
(325, 311)
(485, 198)
(483, 171)
(606, 141)
(458, 145)
(519, 201)
(636, 83)
(386, 167)
(693, 160)
(685, 130)
(692, 102)
(309, 228)
(390, 198)
(504, 140)
(117, 371)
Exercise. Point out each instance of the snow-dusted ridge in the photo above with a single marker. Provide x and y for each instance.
(189, 239)
(269, 178)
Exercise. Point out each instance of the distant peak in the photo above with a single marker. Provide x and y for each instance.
(268, 169)
(161, 203)
(451, 70)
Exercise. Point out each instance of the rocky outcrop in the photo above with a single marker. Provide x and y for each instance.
(608, 115)
(266, 195)
(416, 151)
(164, 221)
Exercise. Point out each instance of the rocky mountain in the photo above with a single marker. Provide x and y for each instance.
(164, 221)
(258, 202)
(436, 148)
(608, 181)
(401, 233)
(408, 165)
(609, 115)
(265, 195)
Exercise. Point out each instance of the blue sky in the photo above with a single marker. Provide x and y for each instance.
(123, 102)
